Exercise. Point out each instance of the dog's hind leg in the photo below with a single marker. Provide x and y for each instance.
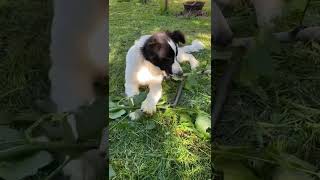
(183, 57)
(194, 47)
(149, 104)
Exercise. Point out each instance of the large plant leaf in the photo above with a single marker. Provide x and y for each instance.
(27, 166)
(117, 114)
(137, 99)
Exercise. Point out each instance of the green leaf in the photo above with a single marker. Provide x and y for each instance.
(111, 172)
(116, 115)
(185, 118)
(203, 123)
(112, 104)
(27, 166)
(138, 99)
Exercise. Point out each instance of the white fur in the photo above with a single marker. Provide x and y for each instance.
(78, 51)
(140, 72)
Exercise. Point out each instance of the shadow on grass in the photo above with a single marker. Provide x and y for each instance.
(24, 53)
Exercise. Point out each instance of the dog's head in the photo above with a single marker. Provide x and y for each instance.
(161, 49)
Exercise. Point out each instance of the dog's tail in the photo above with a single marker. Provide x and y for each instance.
(194, 47)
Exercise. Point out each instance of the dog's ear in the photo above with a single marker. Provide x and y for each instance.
(150, 49)
(177, 36)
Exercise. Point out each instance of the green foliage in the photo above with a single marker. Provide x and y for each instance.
(239, 163)
(23, 167)
(203, 123)
(117, 114)
(270, 114)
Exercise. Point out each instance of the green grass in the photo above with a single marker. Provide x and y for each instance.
(160, 146)
(24, 53)
(282, 112)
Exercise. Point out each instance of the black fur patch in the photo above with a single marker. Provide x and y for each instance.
(177, 36)
(158, 51)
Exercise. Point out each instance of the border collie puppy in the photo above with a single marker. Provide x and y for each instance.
(153, 57)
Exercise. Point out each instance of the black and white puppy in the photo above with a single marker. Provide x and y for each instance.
(153, 57)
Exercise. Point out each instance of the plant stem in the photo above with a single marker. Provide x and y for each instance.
(50, 146)
(178, 94)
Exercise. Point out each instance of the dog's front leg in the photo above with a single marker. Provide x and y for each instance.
(149, 104)
(183, 56)
(131, 89)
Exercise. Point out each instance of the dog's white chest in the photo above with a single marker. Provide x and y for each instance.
(146, 75)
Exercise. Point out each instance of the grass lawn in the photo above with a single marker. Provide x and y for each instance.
(24, 54)
(166, 145)
(282, 112)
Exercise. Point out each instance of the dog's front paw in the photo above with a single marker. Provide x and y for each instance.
(194, 64)
(148, 107)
